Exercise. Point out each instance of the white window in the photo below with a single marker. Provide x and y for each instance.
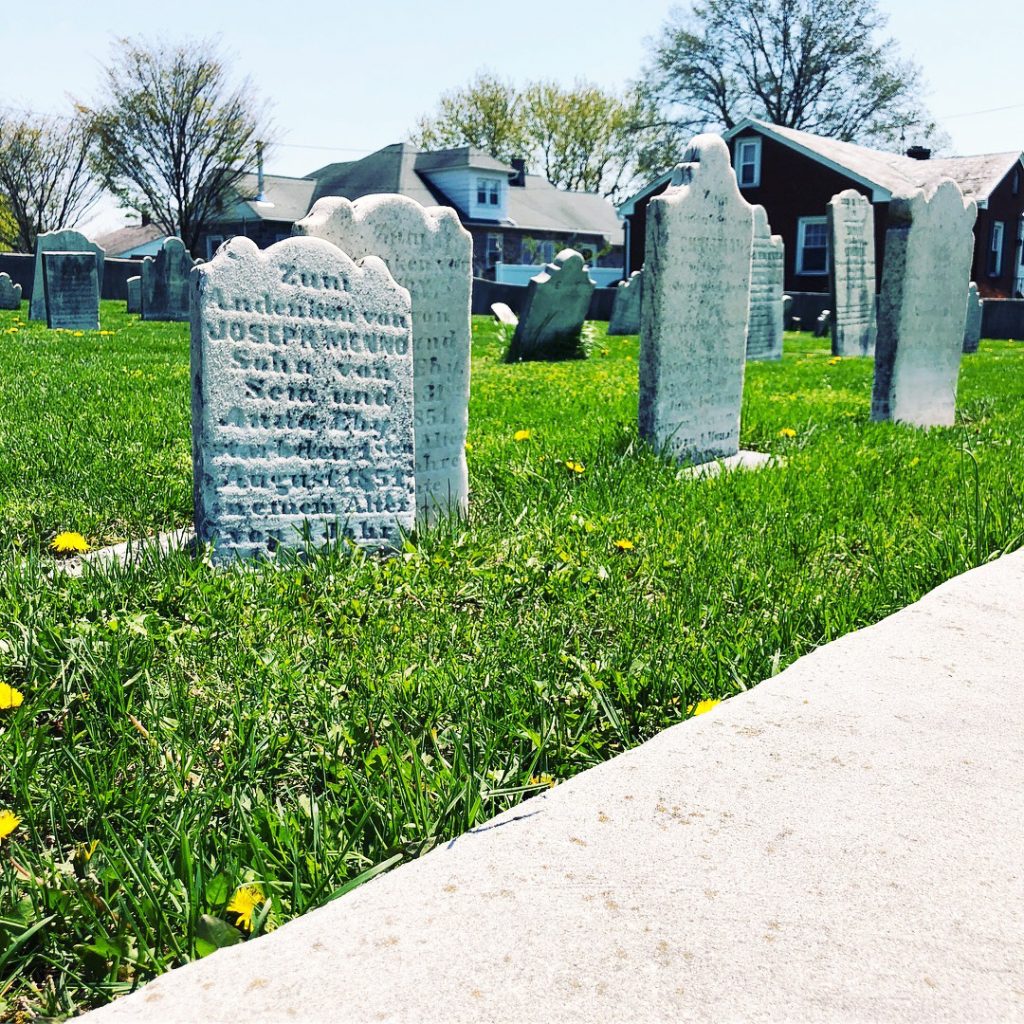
(812, 245)
(748, 162)
(481, 191)
(492, 193)
(213, 243)
(995, 249)
(494, 251)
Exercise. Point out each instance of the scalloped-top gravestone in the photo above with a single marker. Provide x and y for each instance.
(626, 306)
(693, 334)
(767, 269)
(59, 241)
(555, 306)
(929, 246)
(972, 325)
(10, 294)
(71, 291)
(302, 399)
(430, 253)
(164, 282)
(134, 288)
(851, 220)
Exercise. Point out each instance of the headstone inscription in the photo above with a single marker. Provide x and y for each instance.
(430, 253)
(851, 220)
(503, 314)
(556, 304)
(59, 241)
(929, 245)
(134, 285)
(71, 291)
(10, 294)
(694, 315)
(767, 269)
(164, 293)
(626, 307)
(972, 325)
(302, 399)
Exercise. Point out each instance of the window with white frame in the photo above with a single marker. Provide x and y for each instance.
(492, 193)
(488, 192)
(494, 249)
(812, 256)
(748, 163)
(995, 249)
(481, 191)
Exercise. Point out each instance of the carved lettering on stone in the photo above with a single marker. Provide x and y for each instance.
(851, 220)
(71, 291)
(767, 271)
(59, 241)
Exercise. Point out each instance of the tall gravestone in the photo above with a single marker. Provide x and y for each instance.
(59, 241)
(430, 253)
(71, 291)
(164, 282)
(929, 246)
(10, 294)
(134, 286)
(626, 307)
(851, 220)
(972, 325)
(302, 399)
(694, 316)
(556, 304)
(767, 272)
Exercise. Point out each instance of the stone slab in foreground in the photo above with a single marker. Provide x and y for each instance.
(841, 843)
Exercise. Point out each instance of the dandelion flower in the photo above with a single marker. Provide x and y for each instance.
(9, 697)
(244, 903)
(544, 779)
(522, 435)
(574, 467)
(787, 432)
(8, 823)
(623, 544)
(69, 543)
(702, 707)
(469, 446)
(835, 360)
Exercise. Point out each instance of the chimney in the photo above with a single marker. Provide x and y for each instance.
(919, 153)
(260, 197)
(518, 179)
(146, 219)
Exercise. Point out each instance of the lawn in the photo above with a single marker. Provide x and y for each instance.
(187, 731)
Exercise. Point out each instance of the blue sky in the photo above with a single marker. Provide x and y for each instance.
(345, 78)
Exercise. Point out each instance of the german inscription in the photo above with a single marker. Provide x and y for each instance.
(767, 269)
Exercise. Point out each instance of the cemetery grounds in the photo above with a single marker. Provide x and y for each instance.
(190, 757)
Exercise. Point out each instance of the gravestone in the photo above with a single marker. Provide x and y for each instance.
(164, 282)
(787, 312)
(929, 246)
(430, 253)
(694, 316)
(302, 399)
(134, 285)
(71, 290)
(972, 325)
(10, 294)
(851, 220)
(503, 314)
(821, 325)
(765, 318)
(59, 241)
(626, 307)
(556, 304)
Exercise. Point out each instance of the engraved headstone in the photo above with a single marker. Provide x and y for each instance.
(165, 282)
(972, 325)
(71, 290)
(302, 399)
(134, 285)
(694, 316)
(929, 245)
(10, 294)
(626, 306)
(556, 304)
(787, 312)
(851, 219)
(767, 269)
(503, 314)
(59, 241)
(430, 253)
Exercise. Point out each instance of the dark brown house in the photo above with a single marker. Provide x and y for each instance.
(794, 174)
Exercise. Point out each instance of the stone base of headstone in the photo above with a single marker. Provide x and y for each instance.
(129, 553)
(742, 460)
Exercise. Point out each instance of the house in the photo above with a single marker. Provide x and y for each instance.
(135, 240)
(794, 174)
(514, 217)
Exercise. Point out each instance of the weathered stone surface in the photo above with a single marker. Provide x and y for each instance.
(71, 290)
(503, 314)
(787, 311)
(556, 304)
(767, 271)
(302, 399)
(851, 220)
(10, 294)
(821, 325)
(164, 278)
(929, 245)
(430, 253)
(627, 305)
(59, 241)
(694, 317)
(972, 325)
(134, 285)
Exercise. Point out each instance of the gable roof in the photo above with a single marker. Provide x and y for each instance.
(126, 239)
(540, 206)
(284, 198)
(391, 169)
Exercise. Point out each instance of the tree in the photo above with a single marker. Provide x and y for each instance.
(816, 65)
(173, 136)
(45, 179)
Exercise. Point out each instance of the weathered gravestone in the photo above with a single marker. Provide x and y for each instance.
(767, 269)
(134, 285)
(972, 325)
(164, 279)
(556, 304)
(430, 253)
(59, 241)
(929, 245)
(851, 220)
(787, 312)
(503, 314)
(821, 325)
(71, 291)
(694, 316)
(302, 399)
(10, 294)
(626, 307)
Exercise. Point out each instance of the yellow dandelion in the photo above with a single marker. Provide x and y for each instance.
(8, 823)
(244, 903)
(835, 360)
(78, 334)
(574, 467)
(787, 432)
(69, 543)
(914, 461)
(542, 780)
(522, 435)
(702, 707)
(623, 544)
(9, 697)
(469, 446)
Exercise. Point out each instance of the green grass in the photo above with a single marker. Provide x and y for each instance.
(303, 726)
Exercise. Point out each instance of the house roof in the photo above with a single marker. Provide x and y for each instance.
(391, 169)
(539, 206)
(464, 156)
(285, 199)
(114, 243)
